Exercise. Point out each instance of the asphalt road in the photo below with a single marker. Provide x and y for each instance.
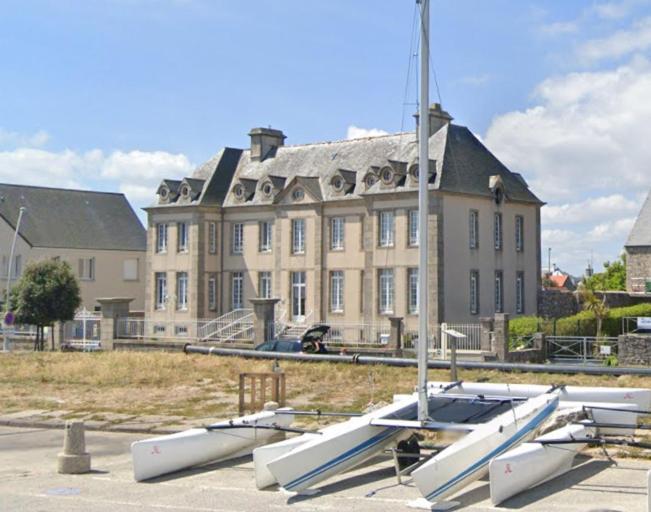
(29, 482)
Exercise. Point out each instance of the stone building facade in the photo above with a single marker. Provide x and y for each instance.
(331, 229)
(638, 252)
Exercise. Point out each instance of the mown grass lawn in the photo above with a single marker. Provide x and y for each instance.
(197, 386)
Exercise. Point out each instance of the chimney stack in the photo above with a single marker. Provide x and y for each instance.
(437, 118)
(265, 142)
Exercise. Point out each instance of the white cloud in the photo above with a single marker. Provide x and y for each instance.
(591, 210)
(613, 10)
(9, 139)
(134, 173)
(355, 132)
(619, 44)
(559, 28)
(584, 149)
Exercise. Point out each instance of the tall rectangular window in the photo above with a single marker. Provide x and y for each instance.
(161, 237)
(385, 282)
(473, 229)
(161, 290)
(336, 233)
(182, 291)
(497, 231)
(474, 292)
(86, 269)
(412, 294)
(337, 291)
(182, 232)
(212, 293)
(264, 285)
(212, 237)
(413, 228)
(387, 229)
(499, 292)
(130, 269)
(237, 243)
(298, 236)
(18, 265)
(519, 292)
(519, 233)
(265, 236)
(237, 290)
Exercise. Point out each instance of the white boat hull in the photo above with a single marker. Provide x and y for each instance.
(263, 455)
(638, 396)
(166, 454)
(339, 447)
(531, 464)
(467, 460)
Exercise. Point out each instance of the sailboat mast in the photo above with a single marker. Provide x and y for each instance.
(423, 209)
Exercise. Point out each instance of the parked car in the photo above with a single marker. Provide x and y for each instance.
(311, 342)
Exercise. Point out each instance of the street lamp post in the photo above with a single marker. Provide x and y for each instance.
(5, 341)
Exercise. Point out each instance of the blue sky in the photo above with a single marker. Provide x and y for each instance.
(117, 94)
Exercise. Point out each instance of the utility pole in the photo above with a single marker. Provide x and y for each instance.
(8, 320)
(549, 260)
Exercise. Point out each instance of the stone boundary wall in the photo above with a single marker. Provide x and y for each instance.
(634, 349)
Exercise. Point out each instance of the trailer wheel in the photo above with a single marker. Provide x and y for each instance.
(408, 446)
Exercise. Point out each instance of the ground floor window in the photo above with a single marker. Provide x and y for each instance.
(337, 291)
(182, 291)
(499, 292)
(237, 290)
(212, 293)
(386, 288)
(412, 294)
(161, 290)
(519, 292)
(474, 292)
(264, 284)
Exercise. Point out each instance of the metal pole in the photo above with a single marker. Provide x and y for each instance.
(21, 211)
(423, 210)
(453, 359)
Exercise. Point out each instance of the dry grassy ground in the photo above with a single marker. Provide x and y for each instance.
(200, 386)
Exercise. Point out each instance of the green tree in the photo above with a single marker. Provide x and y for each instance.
(594, 304)
(47, 292)
(612, 278)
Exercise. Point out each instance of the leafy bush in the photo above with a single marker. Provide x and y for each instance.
(581, 324)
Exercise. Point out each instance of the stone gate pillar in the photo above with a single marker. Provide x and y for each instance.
(112, 309)
(501, 335)
(264, 318)
(395, 340)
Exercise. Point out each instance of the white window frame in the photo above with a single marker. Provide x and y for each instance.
(237, 240)
(387, 228)
(130, 261)
(160, 278)
(337, 291)
(499, 291)
(519, 233)
(212, 293)
(413, 228)
(182, 234)
(519, 292)
(498, 231)
(212, 237)
(473, 231)
(337, 233)
(412, 291)
(473, 300)
(237, 290)
(264, 285)
(161, 237)
(265, 242)
(386, 286)
(86, 269)
(298, 236)
(182, 291)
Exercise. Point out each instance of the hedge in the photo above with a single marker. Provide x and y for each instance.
(581, 324)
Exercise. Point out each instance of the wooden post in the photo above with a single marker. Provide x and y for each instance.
(257, 392)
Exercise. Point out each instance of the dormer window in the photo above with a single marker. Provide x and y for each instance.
(164, 194)
(298, 194)
(370, 180)
(185, 191)
(337, 183)
(387, 175)
(497, 188)
(413, 172)
(238, 191)
(498, 195)
(267, 189)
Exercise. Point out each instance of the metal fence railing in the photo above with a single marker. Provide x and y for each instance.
(357, 334)
(580, 349)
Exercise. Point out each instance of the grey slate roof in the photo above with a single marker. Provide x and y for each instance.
(461, 162)
(75, 219)
(641, 233)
